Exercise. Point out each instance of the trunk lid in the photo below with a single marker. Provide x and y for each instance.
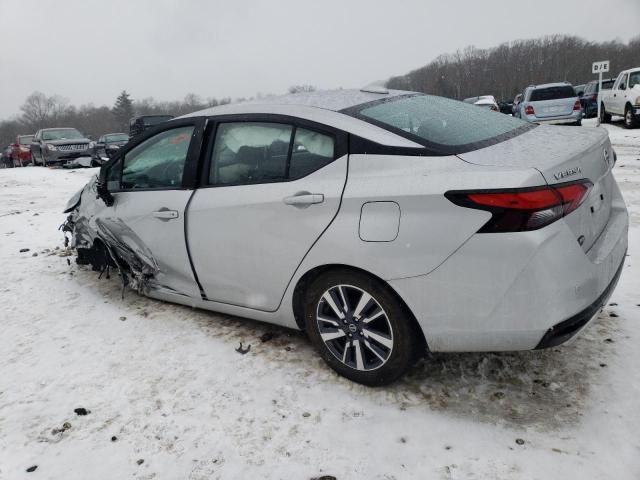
(561, 155)
(553, 108)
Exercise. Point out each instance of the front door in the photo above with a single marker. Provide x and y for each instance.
(269, 191)
(147, 184)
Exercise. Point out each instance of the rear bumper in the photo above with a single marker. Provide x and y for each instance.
(563, 331)
(501, 292)
(575, 116)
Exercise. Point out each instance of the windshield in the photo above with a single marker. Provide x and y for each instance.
(61, 134)
(634, 79)
(552, 93)
(156, 120)
(116, 137)
(25, 139)
(446, 125)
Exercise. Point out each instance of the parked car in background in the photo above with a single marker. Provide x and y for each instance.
(506, 106)
(589, 99)
(623, 99)
(21, 150)
(484, 101)
(52, 146)
(552, 103)
(516, 102)
(138, 125)
(381, 222)
(5, 157)
(106, 146)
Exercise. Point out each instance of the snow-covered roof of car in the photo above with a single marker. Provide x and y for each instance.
(554, 84)
(485, 101)
(334, 100)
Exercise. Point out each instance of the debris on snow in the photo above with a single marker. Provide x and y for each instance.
(243, 351)
(81, 411)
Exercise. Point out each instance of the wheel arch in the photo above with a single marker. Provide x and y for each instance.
(309, 276)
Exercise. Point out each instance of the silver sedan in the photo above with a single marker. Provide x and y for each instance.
(382, 223)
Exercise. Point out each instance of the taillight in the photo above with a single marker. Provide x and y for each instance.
(529, 110)
(576, 106)
(526, 209)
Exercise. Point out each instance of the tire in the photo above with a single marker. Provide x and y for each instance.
(629, 119)
(604, 116)
(578, 123)
(376, 354)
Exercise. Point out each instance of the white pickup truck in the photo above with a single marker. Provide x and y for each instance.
(623, 99)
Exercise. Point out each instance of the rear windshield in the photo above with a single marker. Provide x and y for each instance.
(552, 93)
(446, 125)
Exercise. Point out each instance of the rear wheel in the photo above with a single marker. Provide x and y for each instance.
(604, 116)
(629, 119)
(360, 328)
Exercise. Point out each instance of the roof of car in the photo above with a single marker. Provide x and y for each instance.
(334, 100)
(555, 84)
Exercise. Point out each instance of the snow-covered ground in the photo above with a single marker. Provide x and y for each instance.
(164, 383)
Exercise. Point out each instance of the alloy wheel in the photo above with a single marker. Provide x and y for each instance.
(354, 327)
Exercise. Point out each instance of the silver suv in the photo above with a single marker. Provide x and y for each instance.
(555, 103)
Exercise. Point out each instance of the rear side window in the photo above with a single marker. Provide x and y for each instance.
(552, 93)
(445, 125)
(260, 152)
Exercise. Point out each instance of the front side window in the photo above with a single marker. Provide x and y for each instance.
(622, 84)
(158, 162)
(446, 125)
(260, 152)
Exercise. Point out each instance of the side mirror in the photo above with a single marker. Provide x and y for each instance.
(623, 87)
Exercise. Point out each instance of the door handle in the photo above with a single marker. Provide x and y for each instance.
(166, 214)
(303, 199)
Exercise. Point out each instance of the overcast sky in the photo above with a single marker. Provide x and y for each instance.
(90, 50)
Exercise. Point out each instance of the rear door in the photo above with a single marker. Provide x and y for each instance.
(150, 186)
(270, 186)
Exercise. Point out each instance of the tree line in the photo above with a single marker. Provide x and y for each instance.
(505, 70)
(42, 111)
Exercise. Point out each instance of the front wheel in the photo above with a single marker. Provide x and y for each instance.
(360, 327)
(629, 119)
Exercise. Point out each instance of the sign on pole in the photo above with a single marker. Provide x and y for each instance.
(599, 68)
